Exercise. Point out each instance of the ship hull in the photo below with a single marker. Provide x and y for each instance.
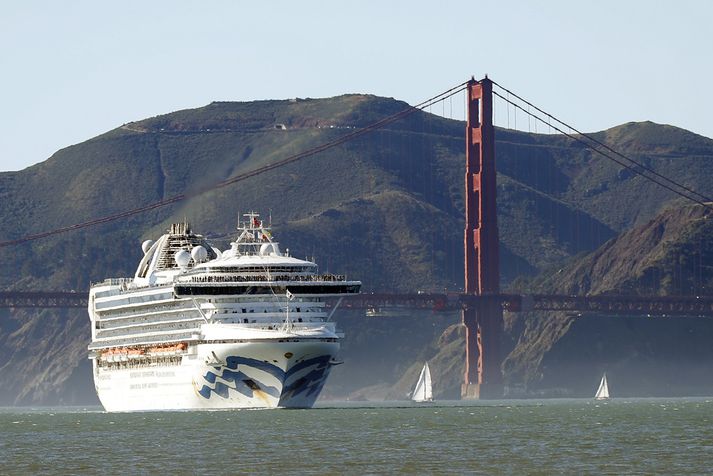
(288, 373)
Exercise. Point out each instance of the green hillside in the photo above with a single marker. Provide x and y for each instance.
(669, 255)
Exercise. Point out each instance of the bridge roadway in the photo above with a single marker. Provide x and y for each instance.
(701, 306)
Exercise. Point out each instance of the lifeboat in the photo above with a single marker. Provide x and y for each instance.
(108, 355)
(123, 354)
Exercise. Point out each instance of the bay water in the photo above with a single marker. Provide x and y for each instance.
(573, 436)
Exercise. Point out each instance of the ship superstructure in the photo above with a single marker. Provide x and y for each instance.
(197, 328)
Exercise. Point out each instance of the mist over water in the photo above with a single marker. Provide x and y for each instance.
(643, 436)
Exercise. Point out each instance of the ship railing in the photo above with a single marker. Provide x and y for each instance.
(148, 313)
(113, 282)
(127, 285)
(298, 321)
(167, 322)
(271, 279)
(148, 329)
(294, 324)
(163, 338)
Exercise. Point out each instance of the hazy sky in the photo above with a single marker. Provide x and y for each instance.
(72, 70)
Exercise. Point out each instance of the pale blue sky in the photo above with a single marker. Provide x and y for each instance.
(72, 70)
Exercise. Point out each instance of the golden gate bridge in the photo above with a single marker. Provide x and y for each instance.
(482, 303)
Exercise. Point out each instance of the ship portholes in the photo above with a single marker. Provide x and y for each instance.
(288, 355)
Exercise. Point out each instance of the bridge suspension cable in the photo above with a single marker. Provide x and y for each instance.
(623, 160)
(238, 178)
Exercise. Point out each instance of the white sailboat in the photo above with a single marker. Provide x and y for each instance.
(603, 390)
(423, 391)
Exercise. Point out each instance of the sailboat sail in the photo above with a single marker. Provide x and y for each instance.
(603, 390)
(423, 391)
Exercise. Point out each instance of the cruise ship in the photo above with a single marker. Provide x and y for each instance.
(197, 328)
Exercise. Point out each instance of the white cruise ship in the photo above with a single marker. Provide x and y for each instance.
(197, 328)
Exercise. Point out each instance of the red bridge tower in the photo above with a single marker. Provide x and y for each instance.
(483, 322)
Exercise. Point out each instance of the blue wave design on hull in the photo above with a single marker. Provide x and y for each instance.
(321, 360)
(310, 384)
(238, 379)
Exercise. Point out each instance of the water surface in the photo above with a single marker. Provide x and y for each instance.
(640, 436)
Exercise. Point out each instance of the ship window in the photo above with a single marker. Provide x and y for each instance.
(243, 310)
